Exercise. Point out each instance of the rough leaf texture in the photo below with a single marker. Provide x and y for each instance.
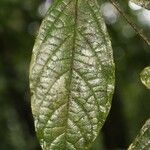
(142, 3)
(142, 141)
(71, 75)
(145, 77)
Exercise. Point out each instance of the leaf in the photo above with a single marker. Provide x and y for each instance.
(145, 77)
(142, 3)
(71, 75)
(142, 141)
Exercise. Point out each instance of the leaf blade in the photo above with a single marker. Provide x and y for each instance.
(71, 75)
(145, 77)
(142, 3)
(142, 141)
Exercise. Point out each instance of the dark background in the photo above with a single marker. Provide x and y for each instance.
(19, 23)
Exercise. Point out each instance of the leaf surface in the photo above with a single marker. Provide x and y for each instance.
(142, 3)
(145, 77)
(142, 141)
(71, 75)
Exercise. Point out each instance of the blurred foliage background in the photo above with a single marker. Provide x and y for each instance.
(19, 23)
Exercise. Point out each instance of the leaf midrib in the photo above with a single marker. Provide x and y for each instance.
(71, 67)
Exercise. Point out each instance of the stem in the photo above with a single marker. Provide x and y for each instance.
(138, 31)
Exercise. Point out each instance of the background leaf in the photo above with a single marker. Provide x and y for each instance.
(142, 3)
(71, 75)
(145, 77)
(142, 141)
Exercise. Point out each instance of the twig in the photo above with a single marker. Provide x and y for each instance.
(138, 31)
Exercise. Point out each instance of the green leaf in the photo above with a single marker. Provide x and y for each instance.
(71, 75)
(145, 77)
(142, 141)
(142, 3)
